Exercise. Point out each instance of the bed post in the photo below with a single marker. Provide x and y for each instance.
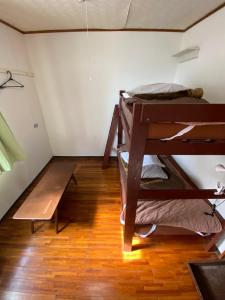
(136, 154)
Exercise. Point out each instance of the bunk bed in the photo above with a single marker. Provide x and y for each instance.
(146, 128)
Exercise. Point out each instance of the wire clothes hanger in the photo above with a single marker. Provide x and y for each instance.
(10, 79)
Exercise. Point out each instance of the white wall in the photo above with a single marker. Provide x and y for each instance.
(21, 109)
(78, 110)
(208, 71)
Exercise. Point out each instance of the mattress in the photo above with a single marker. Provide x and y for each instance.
(188, 214)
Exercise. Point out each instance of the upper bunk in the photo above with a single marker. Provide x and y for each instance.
(159, 120)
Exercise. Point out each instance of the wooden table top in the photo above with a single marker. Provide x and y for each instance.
(43, 200)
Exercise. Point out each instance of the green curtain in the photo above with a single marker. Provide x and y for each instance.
(10, 151)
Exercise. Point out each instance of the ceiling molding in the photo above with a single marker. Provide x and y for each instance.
(206, 16)
(104, 30)
(11, 26)
(111, 30)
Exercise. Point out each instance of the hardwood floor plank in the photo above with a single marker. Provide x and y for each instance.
(85, 260)
(24, 296)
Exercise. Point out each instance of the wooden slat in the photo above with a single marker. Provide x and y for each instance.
(43, 200)
(176, 147)
(182, 113)
(120, 131)
(125, 129)
(111, 136)
(127, 113)
(178, 194)
(123, 177)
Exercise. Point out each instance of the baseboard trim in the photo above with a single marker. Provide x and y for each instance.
(82, 157)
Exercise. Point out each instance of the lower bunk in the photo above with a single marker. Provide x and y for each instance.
(165, 215)
(194, 215)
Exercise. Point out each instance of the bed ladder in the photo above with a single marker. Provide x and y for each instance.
(114, 127)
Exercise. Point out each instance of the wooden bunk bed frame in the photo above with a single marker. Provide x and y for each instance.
(135, 123)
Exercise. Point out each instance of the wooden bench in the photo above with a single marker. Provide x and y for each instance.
(42, 203)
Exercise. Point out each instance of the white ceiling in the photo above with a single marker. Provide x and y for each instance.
(172, 14)
(36, 15)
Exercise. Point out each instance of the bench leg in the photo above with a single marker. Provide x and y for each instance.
(56, 220)
(32, 227)
(74, 179)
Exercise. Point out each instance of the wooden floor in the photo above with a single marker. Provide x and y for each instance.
(85, 260)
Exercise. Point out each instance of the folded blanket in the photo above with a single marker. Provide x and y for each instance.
(192, 214)
(196, 93)
(158, 88)
(164, 91)
(189, 214)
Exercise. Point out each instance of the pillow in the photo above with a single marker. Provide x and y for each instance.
(157, 88)
(151, 167)
(153, 171)
(147, 160)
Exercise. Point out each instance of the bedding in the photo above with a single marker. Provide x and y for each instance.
(188, 214)
(164, 91)
(153, 171)
(178, 100)
(158, 88)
